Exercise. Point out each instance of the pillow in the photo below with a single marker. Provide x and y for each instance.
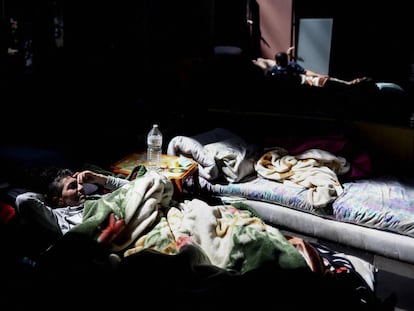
(35, 216)
(7, 212)
(385, 203)
(264, 64)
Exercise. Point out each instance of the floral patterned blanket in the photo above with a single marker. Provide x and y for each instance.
(191, 253)
(142, 215)
(223, 235)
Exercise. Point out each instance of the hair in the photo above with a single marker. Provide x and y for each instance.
(52, 178)
(281, 59)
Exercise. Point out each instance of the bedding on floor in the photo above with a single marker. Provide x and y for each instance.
(193, 252)
(332, 183)
(385, 202)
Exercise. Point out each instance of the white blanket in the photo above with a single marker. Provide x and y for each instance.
(223, 154)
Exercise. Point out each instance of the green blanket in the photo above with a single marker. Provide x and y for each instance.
(142, 216)
(127, 211)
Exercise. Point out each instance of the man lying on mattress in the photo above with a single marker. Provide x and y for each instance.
(120, 218)
(139, 225)
(63, 197)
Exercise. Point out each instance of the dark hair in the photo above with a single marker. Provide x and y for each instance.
(52, 178)
(281, 59)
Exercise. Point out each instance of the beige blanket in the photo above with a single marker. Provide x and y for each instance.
(314, 169)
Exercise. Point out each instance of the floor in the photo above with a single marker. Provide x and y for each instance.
(397, 278)
(394, 280)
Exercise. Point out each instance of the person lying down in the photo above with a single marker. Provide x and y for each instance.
(119, 218)
(281, 66)
(139, 219)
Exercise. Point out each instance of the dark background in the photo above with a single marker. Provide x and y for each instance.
(128, 64)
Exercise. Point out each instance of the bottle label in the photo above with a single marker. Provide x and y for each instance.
(154, 140)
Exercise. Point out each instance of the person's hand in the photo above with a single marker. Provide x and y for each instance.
(290, 50)
(90, 177)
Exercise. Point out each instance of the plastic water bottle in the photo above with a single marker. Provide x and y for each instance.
(154, 148)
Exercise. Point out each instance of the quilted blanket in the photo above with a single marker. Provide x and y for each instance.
(385, 203)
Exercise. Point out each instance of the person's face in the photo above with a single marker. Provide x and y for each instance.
(73, 192)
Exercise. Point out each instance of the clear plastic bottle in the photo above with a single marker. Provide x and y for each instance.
(154, 148)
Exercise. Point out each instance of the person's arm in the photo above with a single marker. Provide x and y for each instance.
(314, 74)
(290, 53)
(109, 182)
(113, 183)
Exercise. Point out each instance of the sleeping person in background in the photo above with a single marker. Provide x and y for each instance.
(292, 69)
(285, 68)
